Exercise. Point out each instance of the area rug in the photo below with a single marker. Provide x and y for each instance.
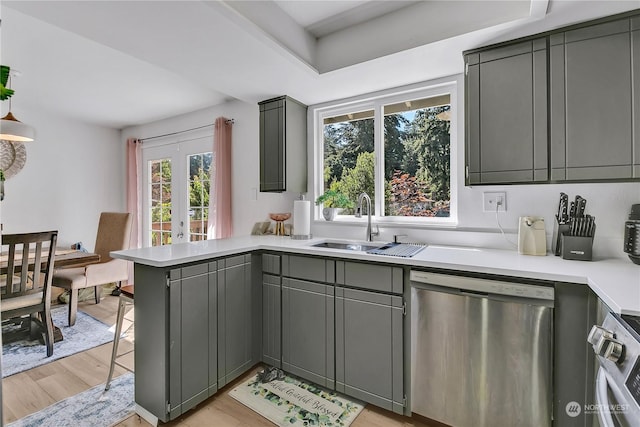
(292, 402)
(92, 408)
(87, 333)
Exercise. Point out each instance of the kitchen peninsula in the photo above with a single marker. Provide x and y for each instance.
(221, 298)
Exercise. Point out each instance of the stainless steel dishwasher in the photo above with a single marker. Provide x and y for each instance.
(481, 351)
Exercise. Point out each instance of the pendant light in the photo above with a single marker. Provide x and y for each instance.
(12, 129)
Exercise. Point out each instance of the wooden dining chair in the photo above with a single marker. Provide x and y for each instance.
(25, 282)
(114, 231)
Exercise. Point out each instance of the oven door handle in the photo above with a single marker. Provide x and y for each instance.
(602, 400)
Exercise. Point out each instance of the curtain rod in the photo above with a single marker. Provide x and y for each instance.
(228, 121)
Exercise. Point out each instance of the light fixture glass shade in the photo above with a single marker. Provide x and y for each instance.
(12, 129)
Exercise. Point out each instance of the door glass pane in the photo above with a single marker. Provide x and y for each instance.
(349, 161)
(160, 201)
(417, 157)
(199, 181)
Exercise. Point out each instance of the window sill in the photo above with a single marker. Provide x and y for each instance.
(395, 222)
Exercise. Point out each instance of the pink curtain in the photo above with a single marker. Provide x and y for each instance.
(134, 150)
(219, 224)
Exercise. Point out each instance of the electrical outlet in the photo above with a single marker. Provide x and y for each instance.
(494, 199)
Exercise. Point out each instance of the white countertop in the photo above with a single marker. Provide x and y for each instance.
(615, 281)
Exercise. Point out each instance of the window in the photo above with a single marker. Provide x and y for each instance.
(396, 148)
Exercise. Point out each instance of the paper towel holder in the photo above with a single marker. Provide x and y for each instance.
(294, 235)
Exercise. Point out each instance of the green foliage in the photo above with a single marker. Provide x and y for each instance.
(416, 161)
(334, 199)
(429, 140)
(359, 179)
(5, 92)
(1, 175)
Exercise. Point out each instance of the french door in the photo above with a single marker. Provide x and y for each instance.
(176, 186)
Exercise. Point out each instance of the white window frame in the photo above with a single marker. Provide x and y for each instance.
(376, 102)
(181, 147)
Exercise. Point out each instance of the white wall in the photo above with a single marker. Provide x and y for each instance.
(246, 209)
(73, 172)
(610, 203)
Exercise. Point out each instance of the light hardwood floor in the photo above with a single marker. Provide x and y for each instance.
(32, 390)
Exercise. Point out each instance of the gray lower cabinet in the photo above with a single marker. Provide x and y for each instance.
(506, 114)
(308, 330)
(176, 339)
(592, 105)
(271, 320)
(236, 301)
(369, 347)
(575, 313)
(193, 334)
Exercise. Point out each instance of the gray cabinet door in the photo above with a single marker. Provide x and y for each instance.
(283, 147)
(153, 341)
(635, 42)
(369, 348)
(308, 331)
(506, 92)
(271, 320)
(591, 103)
(235, 318)
(190, 379)
(272, 148)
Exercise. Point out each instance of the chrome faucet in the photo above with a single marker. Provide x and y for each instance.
(370, 233)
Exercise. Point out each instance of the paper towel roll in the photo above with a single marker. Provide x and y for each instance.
(301, 217)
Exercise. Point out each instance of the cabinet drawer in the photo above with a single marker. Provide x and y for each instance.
(370, 276)
(234, 260)
(271, 279)
(271, 263)
(307, 268)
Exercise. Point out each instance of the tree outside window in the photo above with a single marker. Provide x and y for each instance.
(416, 146)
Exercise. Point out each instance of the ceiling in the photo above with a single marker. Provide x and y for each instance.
(124, 63)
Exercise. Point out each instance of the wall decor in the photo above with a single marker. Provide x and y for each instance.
(13, 156)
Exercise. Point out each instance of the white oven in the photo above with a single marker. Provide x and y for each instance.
(617, 392)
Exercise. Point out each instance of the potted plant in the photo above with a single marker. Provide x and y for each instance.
(333, 202)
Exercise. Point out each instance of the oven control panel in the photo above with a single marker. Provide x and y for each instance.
(619, 356)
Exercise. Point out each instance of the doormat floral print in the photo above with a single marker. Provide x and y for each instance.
(292, 402)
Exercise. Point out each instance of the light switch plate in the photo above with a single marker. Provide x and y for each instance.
(491, 200)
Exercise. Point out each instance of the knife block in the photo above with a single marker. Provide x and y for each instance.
(576, 247)
(558, 231)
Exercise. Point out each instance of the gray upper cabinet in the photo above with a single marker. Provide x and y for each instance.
(558, 107)
(506, 113)
(592, 109)
(236, 302)
(283, 145)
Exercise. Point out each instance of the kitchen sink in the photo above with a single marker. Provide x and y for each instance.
(346, 246)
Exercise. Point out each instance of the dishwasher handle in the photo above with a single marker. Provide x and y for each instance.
(488, 286)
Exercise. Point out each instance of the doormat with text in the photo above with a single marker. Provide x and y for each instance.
(292, 402)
